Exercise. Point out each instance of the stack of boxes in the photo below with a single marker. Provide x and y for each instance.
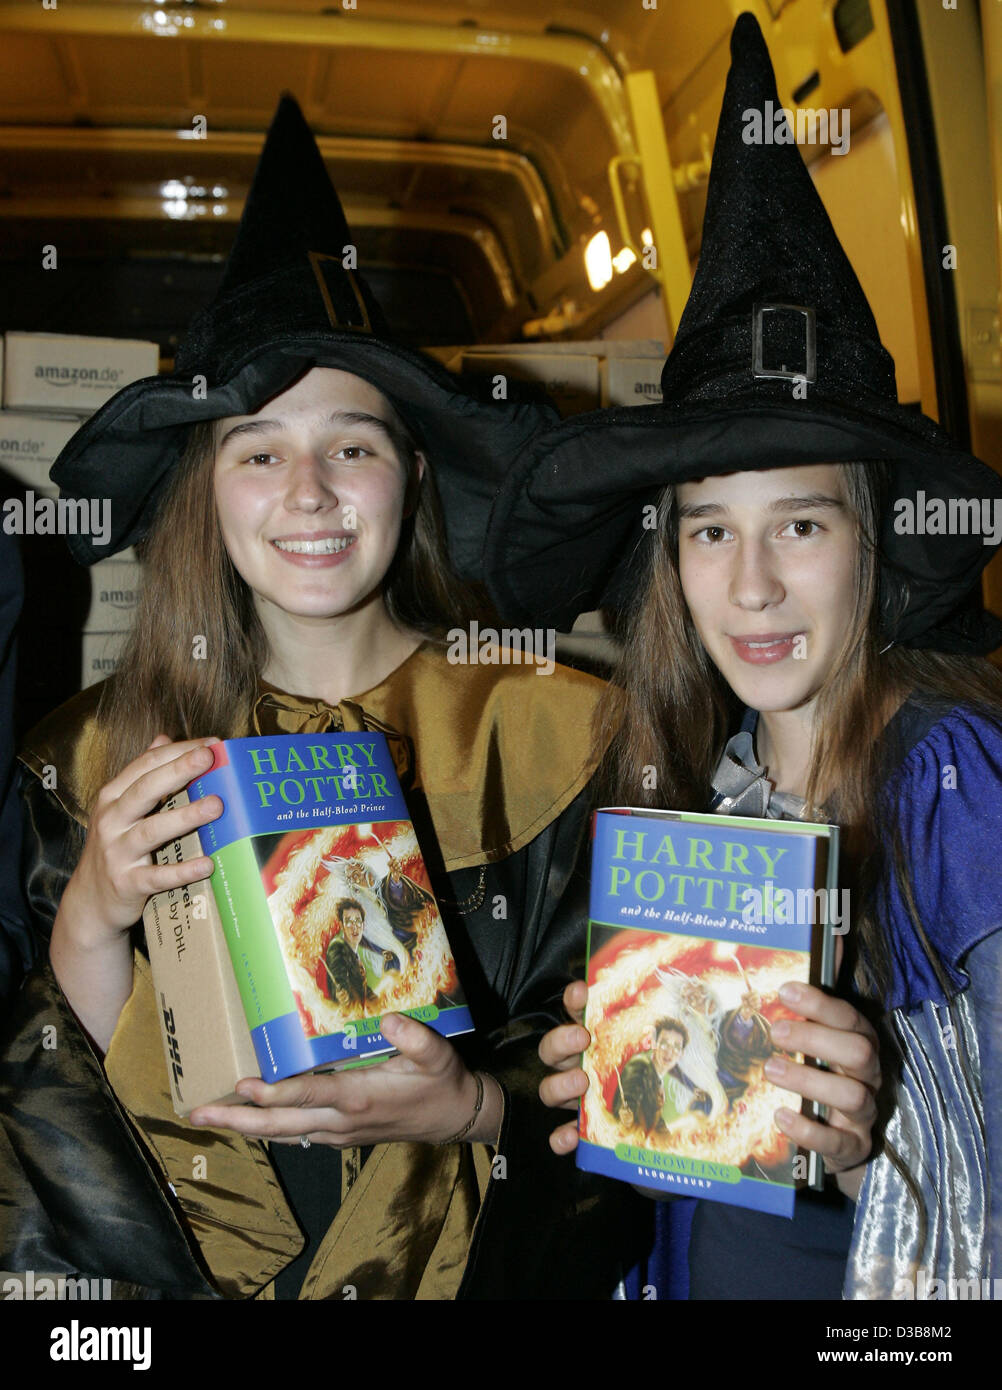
(576, 376)
(51, 383)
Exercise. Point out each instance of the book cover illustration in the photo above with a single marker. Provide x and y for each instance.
(696, 922)
(325, 899)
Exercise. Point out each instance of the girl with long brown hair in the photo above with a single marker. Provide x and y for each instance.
(804, 645)
(297, 581)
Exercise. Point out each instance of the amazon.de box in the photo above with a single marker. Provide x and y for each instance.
(71, 375)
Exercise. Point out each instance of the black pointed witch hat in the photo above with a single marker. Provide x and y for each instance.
(777, 362)
(290, 299)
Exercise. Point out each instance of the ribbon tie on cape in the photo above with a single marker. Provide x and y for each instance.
(277, 713)
(742, 789)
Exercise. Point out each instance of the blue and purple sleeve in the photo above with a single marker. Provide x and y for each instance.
(947, 801)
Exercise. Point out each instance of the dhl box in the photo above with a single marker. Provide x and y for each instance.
(203, 1027)
(70, 374)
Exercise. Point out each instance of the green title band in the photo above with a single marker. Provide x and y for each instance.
(675, 1163)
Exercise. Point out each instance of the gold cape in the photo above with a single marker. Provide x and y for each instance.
(498, 753)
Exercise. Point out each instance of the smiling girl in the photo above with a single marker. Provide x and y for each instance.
(297, 581)
(794, 653)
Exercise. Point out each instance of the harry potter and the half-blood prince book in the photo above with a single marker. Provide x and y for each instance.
(696, 921)
(322, 896)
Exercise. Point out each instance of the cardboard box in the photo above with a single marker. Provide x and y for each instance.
(101, 652)
(451, 357)
(30, 445)
(114, 595)
(632, 380)
(207, 1044)
(590, 625)
(68, 374)
(571, 380)
(589, 638)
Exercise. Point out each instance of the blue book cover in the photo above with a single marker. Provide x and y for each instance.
(695, 923)
(325, 900)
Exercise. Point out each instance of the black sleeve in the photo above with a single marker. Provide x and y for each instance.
(546, 1229)
(52, 844)
(17, 951)
(78, 1195)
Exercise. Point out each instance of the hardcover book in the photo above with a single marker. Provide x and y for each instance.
(322, 898)
(695, 923)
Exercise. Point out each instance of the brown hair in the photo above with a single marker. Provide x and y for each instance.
(668, 713)
(671, 1025)
(191, 664)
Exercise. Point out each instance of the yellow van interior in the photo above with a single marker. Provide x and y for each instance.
(521, 171)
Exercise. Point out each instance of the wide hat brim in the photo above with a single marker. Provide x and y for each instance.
(567, 532)
(125, 452)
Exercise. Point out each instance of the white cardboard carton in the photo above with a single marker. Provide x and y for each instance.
(101, 651)
(571, 380)
(30, 444)
(632, 380)
(451, 357)
(70, 374)
(114, 595)
(589, 638)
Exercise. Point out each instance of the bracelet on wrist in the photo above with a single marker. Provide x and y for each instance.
(478, 1076)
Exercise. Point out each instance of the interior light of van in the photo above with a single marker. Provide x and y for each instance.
(623, 260)
(598, 260)
(163, 24)
(647, 237)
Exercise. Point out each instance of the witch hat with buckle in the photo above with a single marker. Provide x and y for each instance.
(777, 362)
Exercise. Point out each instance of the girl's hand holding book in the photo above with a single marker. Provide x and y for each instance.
(90, 951)
(837, 1034)
(830, 1029)
(116, 873)
(561, 1048)
(424, 1094)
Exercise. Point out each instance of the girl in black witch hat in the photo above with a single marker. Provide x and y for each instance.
(789, 581)
(293, 545)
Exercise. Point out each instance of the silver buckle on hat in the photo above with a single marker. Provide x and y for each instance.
(317, 261)
(809, 370)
